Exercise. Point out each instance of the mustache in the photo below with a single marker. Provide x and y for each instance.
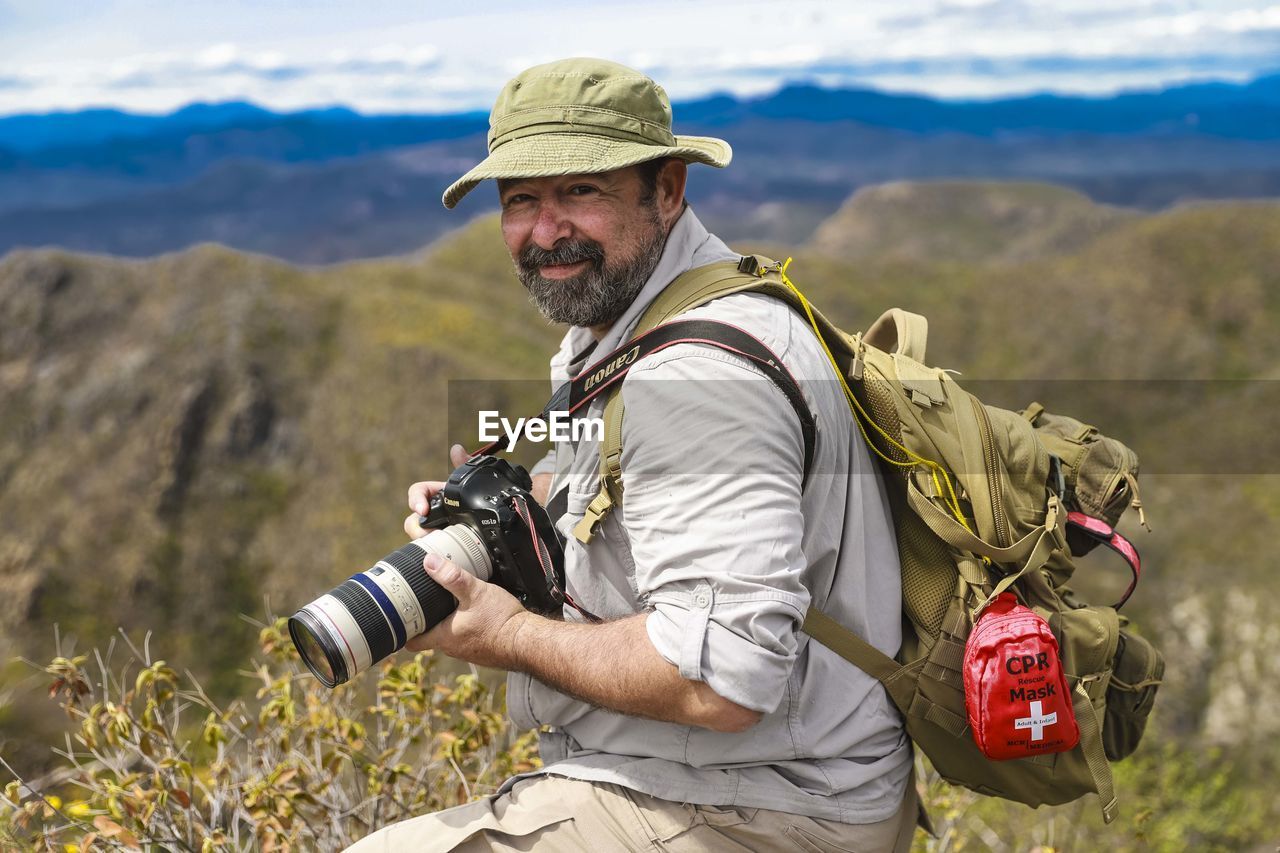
(567, 252)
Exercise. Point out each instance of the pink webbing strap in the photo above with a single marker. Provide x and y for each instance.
(1096, 528)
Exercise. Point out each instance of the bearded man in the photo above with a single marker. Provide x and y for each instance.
(696, 715)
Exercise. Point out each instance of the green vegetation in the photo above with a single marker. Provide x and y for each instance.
(187, 436)
(1172, 800)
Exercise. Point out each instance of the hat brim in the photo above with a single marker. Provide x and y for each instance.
(549, 154)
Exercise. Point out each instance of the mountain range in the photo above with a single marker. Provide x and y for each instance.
(329, 185)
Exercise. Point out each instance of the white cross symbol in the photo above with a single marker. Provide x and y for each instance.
(1037, 721)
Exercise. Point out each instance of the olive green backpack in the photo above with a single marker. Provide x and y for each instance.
(980, 497)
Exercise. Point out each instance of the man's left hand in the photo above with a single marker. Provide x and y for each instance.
(482, 630)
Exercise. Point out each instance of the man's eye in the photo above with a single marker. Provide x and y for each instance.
(517, 198)
(581, 189)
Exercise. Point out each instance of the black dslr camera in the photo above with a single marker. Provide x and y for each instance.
(486, 521)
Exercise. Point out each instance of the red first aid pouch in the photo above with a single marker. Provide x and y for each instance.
(1015, 690)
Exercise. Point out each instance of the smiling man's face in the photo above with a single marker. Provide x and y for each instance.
(584, 245)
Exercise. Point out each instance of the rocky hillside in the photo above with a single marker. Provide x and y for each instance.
(957, 221)
(187, 436)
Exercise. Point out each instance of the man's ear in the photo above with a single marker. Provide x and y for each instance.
(670, 190)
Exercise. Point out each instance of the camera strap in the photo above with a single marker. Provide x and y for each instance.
(544, 560)
(606, 373)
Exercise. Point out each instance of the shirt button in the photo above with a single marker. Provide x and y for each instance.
(702, 599)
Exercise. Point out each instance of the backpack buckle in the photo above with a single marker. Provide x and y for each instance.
(751, 265)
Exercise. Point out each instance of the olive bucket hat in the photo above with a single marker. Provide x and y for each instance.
(580, 116)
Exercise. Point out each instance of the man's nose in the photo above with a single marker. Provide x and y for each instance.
(551, 226)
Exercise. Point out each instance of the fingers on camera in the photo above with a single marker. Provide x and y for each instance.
(420, 495)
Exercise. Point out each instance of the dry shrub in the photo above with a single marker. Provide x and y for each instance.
(154, 762)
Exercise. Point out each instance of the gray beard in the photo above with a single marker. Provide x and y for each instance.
(596, 297)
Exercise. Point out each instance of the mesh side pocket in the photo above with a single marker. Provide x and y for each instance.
(927, 585)
(878, 401)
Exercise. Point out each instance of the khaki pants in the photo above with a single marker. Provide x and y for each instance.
(553, 814)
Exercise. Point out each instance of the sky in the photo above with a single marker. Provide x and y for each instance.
(396, 56)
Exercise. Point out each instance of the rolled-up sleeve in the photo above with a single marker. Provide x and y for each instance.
(712, 470)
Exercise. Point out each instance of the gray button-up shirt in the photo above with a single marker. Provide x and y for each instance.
(721, 543)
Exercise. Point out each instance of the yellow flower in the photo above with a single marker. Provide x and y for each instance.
(79, 809)
(56, 802)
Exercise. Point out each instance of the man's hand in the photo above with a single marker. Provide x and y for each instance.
(541, 489)
(420, 495)
(477, 630)
(483, 629)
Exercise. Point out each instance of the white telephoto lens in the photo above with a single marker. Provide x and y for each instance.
(461, 546)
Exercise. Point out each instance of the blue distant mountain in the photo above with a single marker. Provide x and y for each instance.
(98, 137)
(34, 132)
(1245, 111)
(331, 184)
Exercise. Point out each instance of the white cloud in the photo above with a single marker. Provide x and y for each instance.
(394, 57)
(1247, 20)
(218, 56)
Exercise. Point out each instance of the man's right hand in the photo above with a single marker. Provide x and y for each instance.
(420, 495)
(541, 488)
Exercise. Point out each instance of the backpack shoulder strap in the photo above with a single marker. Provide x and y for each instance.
(756, 274)
(861, 654)
(698, 286)
(698, 331)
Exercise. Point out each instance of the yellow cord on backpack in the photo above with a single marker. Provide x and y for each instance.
(861, 416)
